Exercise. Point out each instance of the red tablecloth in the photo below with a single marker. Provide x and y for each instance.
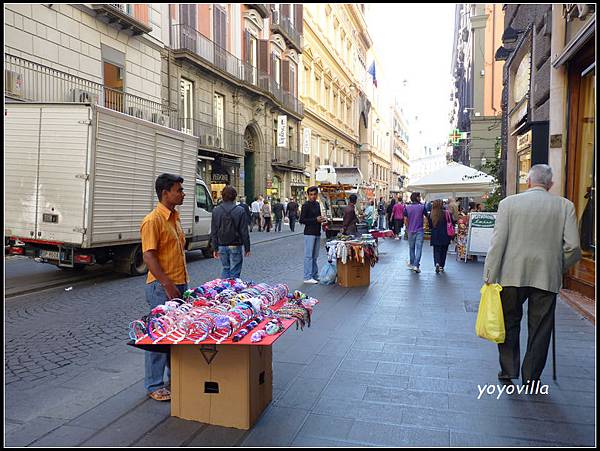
(383, 234)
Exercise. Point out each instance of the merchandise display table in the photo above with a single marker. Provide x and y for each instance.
(220, 343)
(354, 259)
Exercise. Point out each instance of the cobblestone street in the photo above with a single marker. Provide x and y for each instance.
(397, 363)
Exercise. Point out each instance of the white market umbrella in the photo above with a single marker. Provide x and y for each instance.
(454, 180)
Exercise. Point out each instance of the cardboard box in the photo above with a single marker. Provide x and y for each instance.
(353, 274)
(224, 385)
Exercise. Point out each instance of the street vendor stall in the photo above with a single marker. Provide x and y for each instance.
(220, 336)
(355, 257)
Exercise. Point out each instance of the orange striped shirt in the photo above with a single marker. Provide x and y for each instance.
(161, 231)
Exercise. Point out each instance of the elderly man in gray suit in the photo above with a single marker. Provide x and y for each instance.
(535, 241)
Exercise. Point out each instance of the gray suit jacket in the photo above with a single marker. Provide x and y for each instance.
(535, 241)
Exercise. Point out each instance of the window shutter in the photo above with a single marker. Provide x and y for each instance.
(285, 75)
(299, 18)
(224, 29)
(246, 46)
(272, 71)
(263, 56)
(285, 9)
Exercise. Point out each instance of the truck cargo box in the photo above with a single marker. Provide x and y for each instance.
(84, 175)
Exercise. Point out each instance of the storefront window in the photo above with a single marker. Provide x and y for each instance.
(585, 174)
(524, 165)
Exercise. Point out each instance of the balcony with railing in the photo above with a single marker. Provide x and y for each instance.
(283, 25)
(27, 81)
(126, 16)
(186, 40)
(213, 138)
(287, 158)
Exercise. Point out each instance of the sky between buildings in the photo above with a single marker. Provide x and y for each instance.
(414, 43)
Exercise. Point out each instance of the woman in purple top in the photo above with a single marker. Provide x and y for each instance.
(414, 215)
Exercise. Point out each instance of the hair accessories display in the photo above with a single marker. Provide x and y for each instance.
(363, 251)
(223, 309)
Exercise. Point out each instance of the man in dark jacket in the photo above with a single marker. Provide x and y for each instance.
(278, 213)
(350, 219)
(229, 231)
(245, 206)
(311, 217)
(388, 212)
(292, 213)
(380, 213)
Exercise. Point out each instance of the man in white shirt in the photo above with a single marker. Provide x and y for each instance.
(255, 214)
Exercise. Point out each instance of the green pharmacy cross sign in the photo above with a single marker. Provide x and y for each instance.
(457, 135)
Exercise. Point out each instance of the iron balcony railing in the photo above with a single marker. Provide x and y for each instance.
(283, 25)
(214, 138)
(286, 157)
(33, 82)
(184, 37)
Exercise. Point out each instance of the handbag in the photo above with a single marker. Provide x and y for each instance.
(449, 225)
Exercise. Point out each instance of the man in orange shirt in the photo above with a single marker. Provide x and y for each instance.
(163, 243)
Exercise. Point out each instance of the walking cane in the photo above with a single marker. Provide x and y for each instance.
(553, 352)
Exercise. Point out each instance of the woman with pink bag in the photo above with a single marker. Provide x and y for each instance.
(441, 225)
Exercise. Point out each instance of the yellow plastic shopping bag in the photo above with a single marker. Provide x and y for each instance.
(490, 319)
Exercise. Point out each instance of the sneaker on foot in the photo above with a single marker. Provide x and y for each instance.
(441, 269)
(417, 269)
(437, 269)
(313, 281)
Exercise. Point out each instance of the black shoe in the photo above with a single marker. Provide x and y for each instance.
(504, 377)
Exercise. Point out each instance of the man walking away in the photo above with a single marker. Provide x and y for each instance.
(261, 203)
(265, 212)
(535, 240)
(163, 244)
(311, 217)
(292, 213)
(414, 213)
(350, 219)
(246, 208)
(398, 218)
(256, 215)
(381, 213)
(278, 213)
(229, 232)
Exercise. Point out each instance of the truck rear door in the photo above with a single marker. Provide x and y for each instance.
(47, 166)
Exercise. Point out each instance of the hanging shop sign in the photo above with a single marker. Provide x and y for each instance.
(524, 141)
(281, 131)
(307, 141)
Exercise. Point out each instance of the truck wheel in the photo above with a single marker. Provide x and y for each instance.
(131, 262)
(207, 252)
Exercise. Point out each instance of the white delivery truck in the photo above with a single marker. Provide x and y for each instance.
(79, 180)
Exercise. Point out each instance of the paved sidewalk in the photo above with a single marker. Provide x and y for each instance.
(393, 364)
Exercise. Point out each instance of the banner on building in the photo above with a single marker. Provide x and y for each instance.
(281, 131)
(307, 141)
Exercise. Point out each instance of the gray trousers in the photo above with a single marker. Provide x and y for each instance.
(540, 319)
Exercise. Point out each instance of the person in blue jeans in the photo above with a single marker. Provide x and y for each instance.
(311, 217)
(229, 232)
(414, 215)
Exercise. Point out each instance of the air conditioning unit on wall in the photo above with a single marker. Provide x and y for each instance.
(159, 118)
(14, 83)
(78, 95)
(209, 140)
(136, 112)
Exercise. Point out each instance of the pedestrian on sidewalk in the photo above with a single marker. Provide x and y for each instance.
(278, 209)
(439, 219)
(380, 214)
(453, 209)
(228, 233)
(388, 213)
(163, 244)
(350, 219)
(265, 212)
(414, 214)
(246, 208)
(370, 214)
(310, 216)
(535, 240)
(398, 218)
(292, 213)
(256, 215)
(261, 203)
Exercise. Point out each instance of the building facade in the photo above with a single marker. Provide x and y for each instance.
(331, 71)
(399, 156)
(225, 73)
(477, 94)
(549, 105)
